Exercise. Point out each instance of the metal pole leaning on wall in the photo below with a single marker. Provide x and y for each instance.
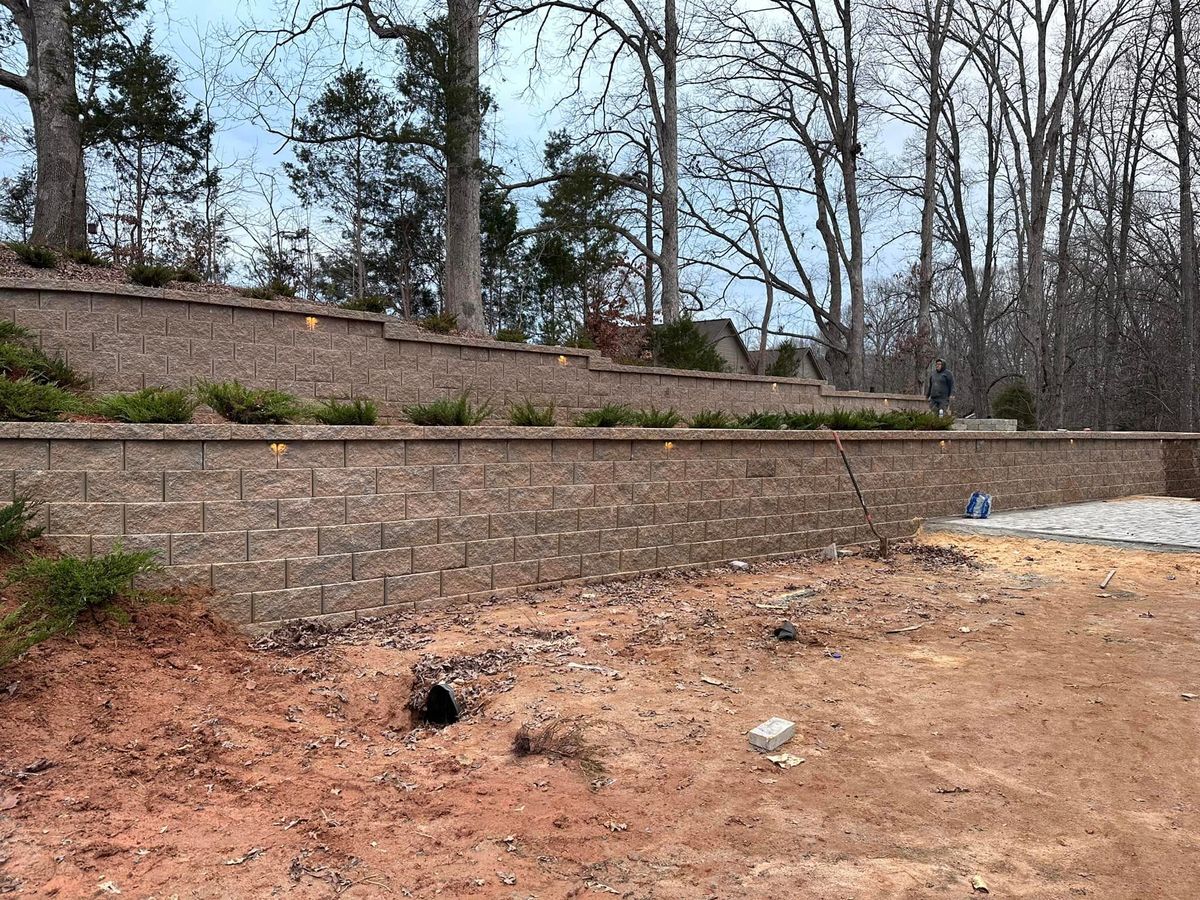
(884, 548)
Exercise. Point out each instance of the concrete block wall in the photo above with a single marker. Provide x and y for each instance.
(360, 521)
(126, 338)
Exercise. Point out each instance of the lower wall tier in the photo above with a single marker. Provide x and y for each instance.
(285, 522)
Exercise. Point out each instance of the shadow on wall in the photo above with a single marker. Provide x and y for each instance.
(1181, 460)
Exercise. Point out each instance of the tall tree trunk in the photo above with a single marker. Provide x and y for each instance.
(60, 205)
(1187, 224)
(1066, 218)
(648, 274)
(923, 349)
(669, 251)
(765, 269)
(463, 169)
(1035, 283)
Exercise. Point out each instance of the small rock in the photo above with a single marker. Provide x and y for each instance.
(739, 565)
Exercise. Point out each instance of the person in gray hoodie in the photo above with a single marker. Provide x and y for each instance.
(941, 388)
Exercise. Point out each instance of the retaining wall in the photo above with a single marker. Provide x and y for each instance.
(358, 521)
(126, 338)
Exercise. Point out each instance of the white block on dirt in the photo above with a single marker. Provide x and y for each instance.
(773, 733)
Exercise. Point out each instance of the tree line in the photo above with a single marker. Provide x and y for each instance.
(1006, 184)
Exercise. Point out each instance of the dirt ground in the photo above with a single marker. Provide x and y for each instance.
(1032, 732)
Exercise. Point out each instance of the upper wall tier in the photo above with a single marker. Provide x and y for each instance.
(126, 338)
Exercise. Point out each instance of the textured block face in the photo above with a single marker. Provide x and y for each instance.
(351, 519)
(361, 594)
(275, 606)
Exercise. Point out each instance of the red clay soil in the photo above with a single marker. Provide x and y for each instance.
(1032, 732)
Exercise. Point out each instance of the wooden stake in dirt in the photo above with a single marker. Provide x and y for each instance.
(1107, 578)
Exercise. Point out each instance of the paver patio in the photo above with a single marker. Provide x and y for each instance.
(1159, 523)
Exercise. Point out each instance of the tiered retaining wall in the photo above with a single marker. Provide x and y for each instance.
(126, 338)
(357, 521)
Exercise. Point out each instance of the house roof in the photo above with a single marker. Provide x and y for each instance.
(819, 364)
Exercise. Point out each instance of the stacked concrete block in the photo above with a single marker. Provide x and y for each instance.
(126, 338)
(359, 521)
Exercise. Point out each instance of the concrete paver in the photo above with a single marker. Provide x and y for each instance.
(1164, 523)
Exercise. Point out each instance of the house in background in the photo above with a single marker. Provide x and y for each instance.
(812, 367)
(728, 343)
(724, 337)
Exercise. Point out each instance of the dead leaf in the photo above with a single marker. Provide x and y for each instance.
(252, 853)
(1187, 696)
(785, 760)
(713, 681)
(978, 884)
(9, 801)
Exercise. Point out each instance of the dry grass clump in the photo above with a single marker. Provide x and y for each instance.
(558, 737)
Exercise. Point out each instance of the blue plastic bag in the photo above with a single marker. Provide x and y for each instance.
(979, 506)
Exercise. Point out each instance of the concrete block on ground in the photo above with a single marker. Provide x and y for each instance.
(773, 733)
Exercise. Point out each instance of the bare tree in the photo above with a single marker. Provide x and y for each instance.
(1187, 218)
(611, 35)
(448, 48)
(1031, 56)
(790, 79)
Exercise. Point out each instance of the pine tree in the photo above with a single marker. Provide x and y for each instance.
(142, 125)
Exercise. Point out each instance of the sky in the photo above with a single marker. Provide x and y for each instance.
(523, 115)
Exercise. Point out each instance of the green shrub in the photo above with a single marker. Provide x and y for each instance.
(439, 323)
(25, 400)
(917, 420)
(512, 336)
(681, 345)
(768, 421)
(354, 412)
(238, 403)
(580, 340)
(656, 418)
(36, 256)
(448, 411)
(15, 529)
(86, 257)
(372, 304)
(12, 333)
(149, 275)
(710, 418)
(527, 415)
(152, 404)
(59, 591)
(272, 290)
(187, 276)
(787, 361)
(865, 420)
(611, 416)
(19, 361)
(804, 421)
(1016, 402)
